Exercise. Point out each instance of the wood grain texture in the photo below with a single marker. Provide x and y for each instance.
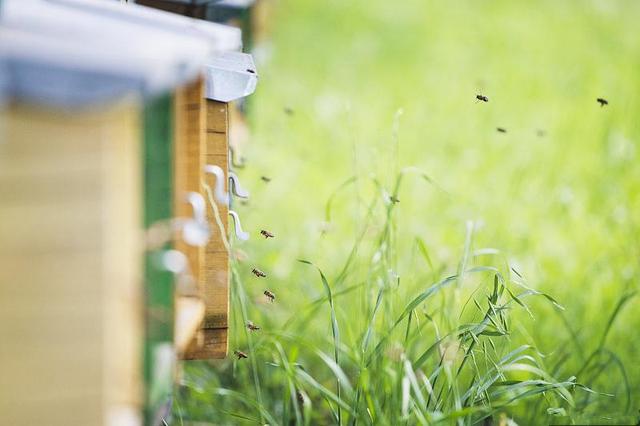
(189, 148)
(202, 129)
(189, 152)
(217, 113)
(70, 287)
(217, 144)
(216, 272)
(213, 277)
(212, 343)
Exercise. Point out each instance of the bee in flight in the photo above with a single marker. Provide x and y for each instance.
(482, 98)
(501, 129)
(602, 102)
(265, 179)
(258, 273)
(270, 296)
(266, 234)
(393, 199)
(252, 327)
(240, 354)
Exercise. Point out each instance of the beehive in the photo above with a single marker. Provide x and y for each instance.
(88, 149)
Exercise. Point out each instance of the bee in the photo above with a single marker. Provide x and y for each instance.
(270, 296)
(540, 133)
(393, 199)
(266, 234)
(265, 179)
(300, 397)
(288, 111)
(602, 102)
(249, 70)
(240, 354)
(501, 129)
(251, 326)
(258, 273)
(482, 98)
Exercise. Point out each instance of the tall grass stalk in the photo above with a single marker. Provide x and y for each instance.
(405, 358)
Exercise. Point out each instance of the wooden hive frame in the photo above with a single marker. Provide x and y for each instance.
(202, 138)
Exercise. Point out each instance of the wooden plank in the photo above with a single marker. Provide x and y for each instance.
(217, 144)
(188, 166)
(70, 293)
(62, 188)
(216, 272)
(217, 289)
(62, 230)
(212, 343)
(50, 409)
(189, 150)
(213, 280)
(217, 117)
(28, 297)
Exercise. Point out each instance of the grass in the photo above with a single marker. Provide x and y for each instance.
(500, 284)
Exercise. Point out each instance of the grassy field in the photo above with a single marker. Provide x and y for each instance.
(468, 275)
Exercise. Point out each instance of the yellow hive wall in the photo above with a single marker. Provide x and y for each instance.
(70, 278)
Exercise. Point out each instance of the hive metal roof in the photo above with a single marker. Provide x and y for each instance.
(76, 52)
(230, 76)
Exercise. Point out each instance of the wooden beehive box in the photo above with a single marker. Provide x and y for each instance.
(202, 130)
(70, 266)
(87, 155)
(201, 139)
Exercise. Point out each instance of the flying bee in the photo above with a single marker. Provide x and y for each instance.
(258, 273)
(482, 98)
(602, 102)
(240, 354)
(250, 71)
(501, 129)
(270, 296)
(393, 199)
(251, 326)
(265, 179)
(266, 234)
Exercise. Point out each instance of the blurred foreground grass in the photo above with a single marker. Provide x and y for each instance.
(373, 87)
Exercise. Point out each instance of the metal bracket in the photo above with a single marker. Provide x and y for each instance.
(236, 188)
(219, 193)
(195, 230)
(242, 235)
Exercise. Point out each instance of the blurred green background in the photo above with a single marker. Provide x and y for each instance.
(366, 88)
